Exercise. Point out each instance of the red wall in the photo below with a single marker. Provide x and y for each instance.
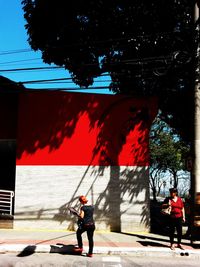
(61, 128)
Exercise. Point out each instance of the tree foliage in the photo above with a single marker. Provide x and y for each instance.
(146, 46)
(168, 153)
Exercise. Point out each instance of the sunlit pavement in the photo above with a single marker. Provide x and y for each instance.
(63, 242)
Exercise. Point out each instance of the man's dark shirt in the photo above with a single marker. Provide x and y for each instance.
(88, 214)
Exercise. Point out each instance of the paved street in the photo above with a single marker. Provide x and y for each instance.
(57, 260)
(34, 248)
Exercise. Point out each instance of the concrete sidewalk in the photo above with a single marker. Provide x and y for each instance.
(44, 241)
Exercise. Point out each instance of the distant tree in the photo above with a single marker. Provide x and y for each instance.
(146, 46)
(167, 153)
(156, 181)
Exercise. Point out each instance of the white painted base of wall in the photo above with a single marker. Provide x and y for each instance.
(44, 193)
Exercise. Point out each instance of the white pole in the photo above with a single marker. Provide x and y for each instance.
(197, 111)
(196, 176)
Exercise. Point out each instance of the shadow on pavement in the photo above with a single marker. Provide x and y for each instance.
(64, 249)
(152, 244)
(29, 250)
(159, 239)
(55, 238)
(58, 248)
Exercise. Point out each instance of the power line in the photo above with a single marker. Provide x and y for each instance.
(21, 60)
(46, 80)
(70, 88)
(60, 82)
(57, 79)
(128, 61)
(31, 69)
(17, 51)
(63, 80)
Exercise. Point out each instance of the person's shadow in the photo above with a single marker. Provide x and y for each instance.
(58, 248)
(27, 251)
(64, 249)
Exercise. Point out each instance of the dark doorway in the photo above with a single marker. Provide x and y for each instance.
(7, 164)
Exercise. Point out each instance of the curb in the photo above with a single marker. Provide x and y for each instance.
(131, 251)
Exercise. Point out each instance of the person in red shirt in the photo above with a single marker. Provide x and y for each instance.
(177, 216)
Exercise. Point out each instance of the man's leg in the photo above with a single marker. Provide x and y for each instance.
(79, 237)
(90, 234)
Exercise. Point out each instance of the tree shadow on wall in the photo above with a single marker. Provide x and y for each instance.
(110, 143)
(127, 182)
(46, 119)
(65, 215)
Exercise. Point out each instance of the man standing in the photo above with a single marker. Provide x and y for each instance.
(87, 224)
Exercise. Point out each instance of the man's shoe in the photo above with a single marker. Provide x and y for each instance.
(89, 255)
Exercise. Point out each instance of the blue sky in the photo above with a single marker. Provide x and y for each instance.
(13, 43)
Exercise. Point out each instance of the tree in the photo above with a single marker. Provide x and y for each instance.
(156, 181)
(167, 153)
(145, 46)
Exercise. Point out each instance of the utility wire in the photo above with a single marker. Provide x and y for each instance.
(60, 82)
(47, 80)
(57, 79)
(129, 61)
(8, 52)
(30, 69)
(67, 80)
(21, 60)
(69, 88)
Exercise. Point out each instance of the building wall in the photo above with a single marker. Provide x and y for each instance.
(73, 144)
(44, 194)
(8, 130)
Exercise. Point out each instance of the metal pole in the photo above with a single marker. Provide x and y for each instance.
(196, 171)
